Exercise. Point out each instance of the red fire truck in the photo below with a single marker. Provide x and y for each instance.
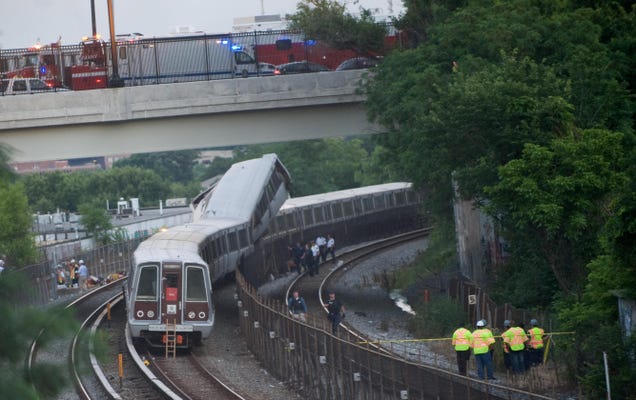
(39, 61)
(92, 71)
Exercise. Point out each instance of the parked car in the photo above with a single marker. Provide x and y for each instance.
(25, 86)
(266, 68)
(299, 67)
(358, 63)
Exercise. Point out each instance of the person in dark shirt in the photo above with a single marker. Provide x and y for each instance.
(297, 306)
(336, 312)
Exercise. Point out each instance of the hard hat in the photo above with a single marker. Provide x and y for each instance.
(481, 323)
(533, 322)
(81, 261)
(72, 260)
(507, 323)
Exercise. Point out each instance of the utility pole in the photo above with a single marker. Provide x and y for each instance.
(115, 80)
(93, 23)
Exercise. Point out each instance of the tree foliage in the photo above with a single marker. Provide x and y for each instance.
(528, 105)
(96, 221)
(66, 191)
(174, 166)
(16, 239)
(329, 21)
(318, 166)
(21, 325)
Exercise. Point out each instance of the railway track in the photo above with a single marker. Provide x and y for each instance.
(191, 380)
(78, 349)
(313, 288)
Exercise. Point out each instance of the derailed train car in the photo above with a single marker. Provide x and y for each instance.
(352, 216)
(170, 285)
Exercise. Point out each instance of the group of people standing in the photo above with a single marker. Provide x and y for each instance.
(73, 275)
(312, 254)
(522, 349)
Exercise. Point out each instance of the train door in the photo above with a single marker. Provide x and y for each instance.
(171, 293)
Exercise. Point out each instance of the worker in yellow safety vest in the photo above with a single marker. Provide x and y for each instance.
(536, 343)
(461, 341)
(481, 343)
(514, 340)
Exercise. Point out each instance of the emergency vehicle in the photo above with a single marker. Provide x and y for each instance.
(92, 71)
(38, 61)
(18, 85)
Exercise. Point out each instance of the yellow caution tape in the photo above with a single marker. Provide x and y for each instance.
(450, 338)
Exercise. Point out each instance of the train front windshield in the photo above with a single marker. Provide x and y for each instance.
(147, 287)
(195, 284)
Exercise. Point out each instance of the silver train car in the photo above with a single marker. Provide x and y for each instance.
(170, 285)
(351, 216)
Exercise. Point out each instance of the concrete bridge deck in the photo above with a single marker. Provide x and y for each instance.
(180, 116)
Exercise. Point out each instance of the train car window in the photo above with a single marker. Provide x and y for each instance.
(231, 238)
(400, 198)
(390, 200)
(357, 206)
(270, 189)
(308, 217)
(379, 201)
(147, 286)
(411, 197)
(223, 243)
(195, 284)
(368, 203)
(277, 180)
(280, 223)
(243, 241)
(327, 210)
(336, 209)
(318, 215)
(205, 251)
(348, 208)
(290, 220)
(214, 249)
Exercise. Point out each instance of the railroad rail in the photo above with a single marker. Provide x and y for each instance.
(192, 380)
(338, 366)
(76, 349)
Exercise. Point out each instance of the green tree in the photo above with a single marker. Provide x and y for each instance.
(175, 166)
(558, 195)
(96, 221)
(21, 325)
(218, 166)
(316, 166)
(129, 182)
(16, 238)
(529, 105)
(329, 21)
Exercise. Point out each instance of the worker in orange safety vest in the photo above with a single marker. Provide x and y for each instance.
(536, 343)
(461, 341)
(481, 343)
(514, 340)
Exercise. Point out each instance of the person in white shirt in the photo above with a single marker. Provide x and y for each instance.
(331, 248)
(83, 275)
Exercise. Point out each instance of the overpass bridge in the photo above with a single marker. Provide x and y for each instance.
(189, 115)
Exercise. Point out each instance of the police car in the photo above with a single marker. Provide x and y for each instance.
(16, 85)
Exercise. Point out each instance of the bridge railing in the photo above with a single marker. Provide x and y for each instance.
(186, 58)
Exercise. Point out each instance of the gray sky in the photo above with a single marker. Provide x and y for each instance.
(27, 22)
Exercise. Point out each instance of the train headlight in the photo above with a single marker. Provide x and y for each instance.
(202, 315)
(191, 314)
(140, 313)
(150, 314)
